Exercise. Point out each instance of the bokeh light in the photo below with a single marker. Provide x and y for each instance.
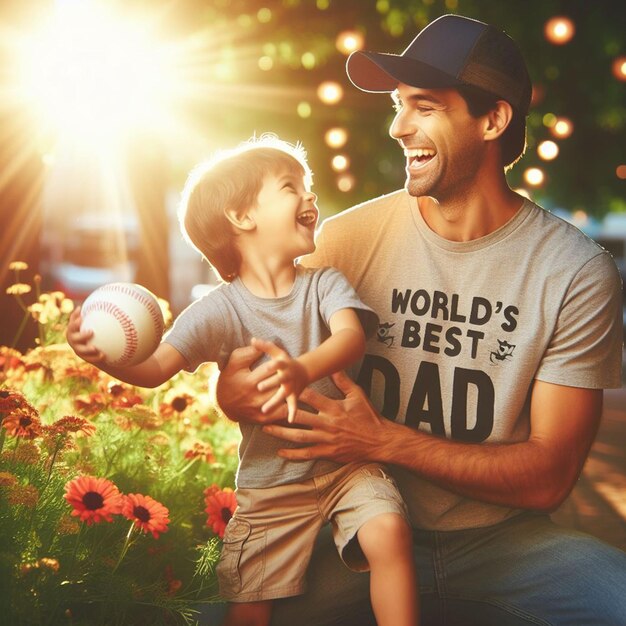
(340, 163)
(308, 61)
(620, 172)
(534, 176)
(619, 68)
(548, 150)
(346, 182)
(549, 120)
(559, 30)
(562, 128)
(304, 109)
(266, 63)
(336, 137)
(349, 40)
(330, 92)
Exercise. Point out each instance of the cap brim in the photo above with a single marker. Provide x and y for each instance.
(380, 72)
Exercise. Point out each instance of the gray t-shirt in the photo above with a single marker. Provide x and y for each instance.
(466, 327)
(229, 316)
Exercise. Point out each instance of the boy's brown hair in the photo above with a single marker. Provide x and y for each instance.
(232, 180)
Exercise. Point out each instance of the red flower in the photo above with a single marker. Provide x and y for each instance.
(202, 450)
(71, 424)
(220, 507)
(92, 404)
(94, 499)
(147, 513)
(22, 423)
(10, 399)
(9, 359)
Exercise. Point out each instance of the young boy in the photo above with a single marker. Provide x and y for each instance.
(251, 214)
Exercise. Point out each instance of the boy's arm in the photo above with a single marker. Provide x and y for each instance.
(345, 346)
(164, 362)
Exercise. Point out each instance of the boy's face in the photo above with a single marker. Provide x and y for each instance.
(286, 214)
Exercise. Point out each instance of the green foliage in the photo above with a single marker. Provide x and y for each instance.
(575, 81)
(168, 443)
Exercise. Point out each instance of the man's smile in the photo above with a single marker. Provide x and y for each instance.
(419, 157)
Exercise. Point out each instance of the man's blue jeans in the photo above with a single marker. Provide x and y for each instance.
(523, 571)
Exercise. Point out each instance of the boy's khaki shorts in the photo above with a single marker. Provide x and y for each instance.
(269, 540)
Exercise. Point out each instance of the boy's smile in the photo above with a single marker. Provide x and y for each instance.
(285, 215)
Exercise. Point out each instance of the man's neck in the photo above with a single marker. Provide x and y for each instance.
(476, 214)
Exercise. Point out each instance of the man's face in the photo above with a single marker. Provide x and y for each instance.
(442, 142)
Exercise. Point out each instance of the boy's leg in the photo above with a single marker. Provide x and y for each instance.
(248, 614)
(387, 543)
(335, 595)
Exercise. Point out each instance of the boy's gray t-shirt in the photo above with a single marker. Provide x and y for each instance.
(229, 316)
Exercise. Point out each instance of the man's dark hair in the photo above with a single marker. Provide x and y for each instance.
(513, 140)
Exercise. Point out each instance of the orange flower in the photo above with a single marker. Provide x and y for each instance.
(48, 563)
(220, 506)
(10, 399)
(22, 423)
(147, 513)
(7, 479)
(9, 359)
(25, 495)
(123, 396)
(202, 450)
(94, 499)
(177, 405)
(67, 526)
(27, 453)
(71, 424)
(92, 404)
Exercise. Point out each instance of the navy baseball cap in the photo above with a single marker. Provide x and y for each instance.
(451, 51)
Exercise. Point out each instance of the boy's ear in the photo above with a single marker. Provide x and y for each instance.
(497, 120)
(240, 219)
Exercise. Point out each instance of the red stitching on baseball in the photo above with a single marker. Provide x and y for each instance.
(130, 332)
(146, 299)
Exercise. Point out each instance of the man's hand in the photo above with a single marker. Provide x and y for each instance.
(287, 376)
(343, 430)
(79, 341)
(237, 392)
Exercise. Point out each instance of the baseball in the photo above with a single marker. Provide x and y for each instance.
(126, 320)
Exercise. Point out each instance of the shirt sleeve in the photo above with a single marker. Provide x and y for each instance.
(336, 293)
(198, 332)
(586, 347)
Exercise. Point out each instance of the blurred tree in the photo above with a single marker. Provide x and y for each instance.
(294, 40)
(254, 66)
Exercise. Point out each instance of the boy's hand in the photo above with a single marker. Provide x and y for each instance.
(80, 341)
(288, 374)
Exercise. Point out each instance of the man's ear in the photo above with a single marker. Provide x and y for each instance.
(240, 219)
(497, 120)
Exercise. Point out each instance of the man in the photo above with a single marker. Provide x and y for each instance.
(501, 325)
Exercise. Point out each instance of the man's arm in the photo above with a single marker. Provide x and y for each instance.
(535, 474)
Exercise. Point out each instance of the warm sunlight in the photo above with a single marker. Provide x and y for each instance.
(92, 73)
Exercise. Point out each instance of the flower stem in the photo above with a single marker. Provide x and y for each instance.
(52, 460)
(125, 547)
(73, 559)
(20, 330)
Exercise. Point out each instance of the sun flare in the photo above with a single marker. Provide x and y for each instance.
(91, 73)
